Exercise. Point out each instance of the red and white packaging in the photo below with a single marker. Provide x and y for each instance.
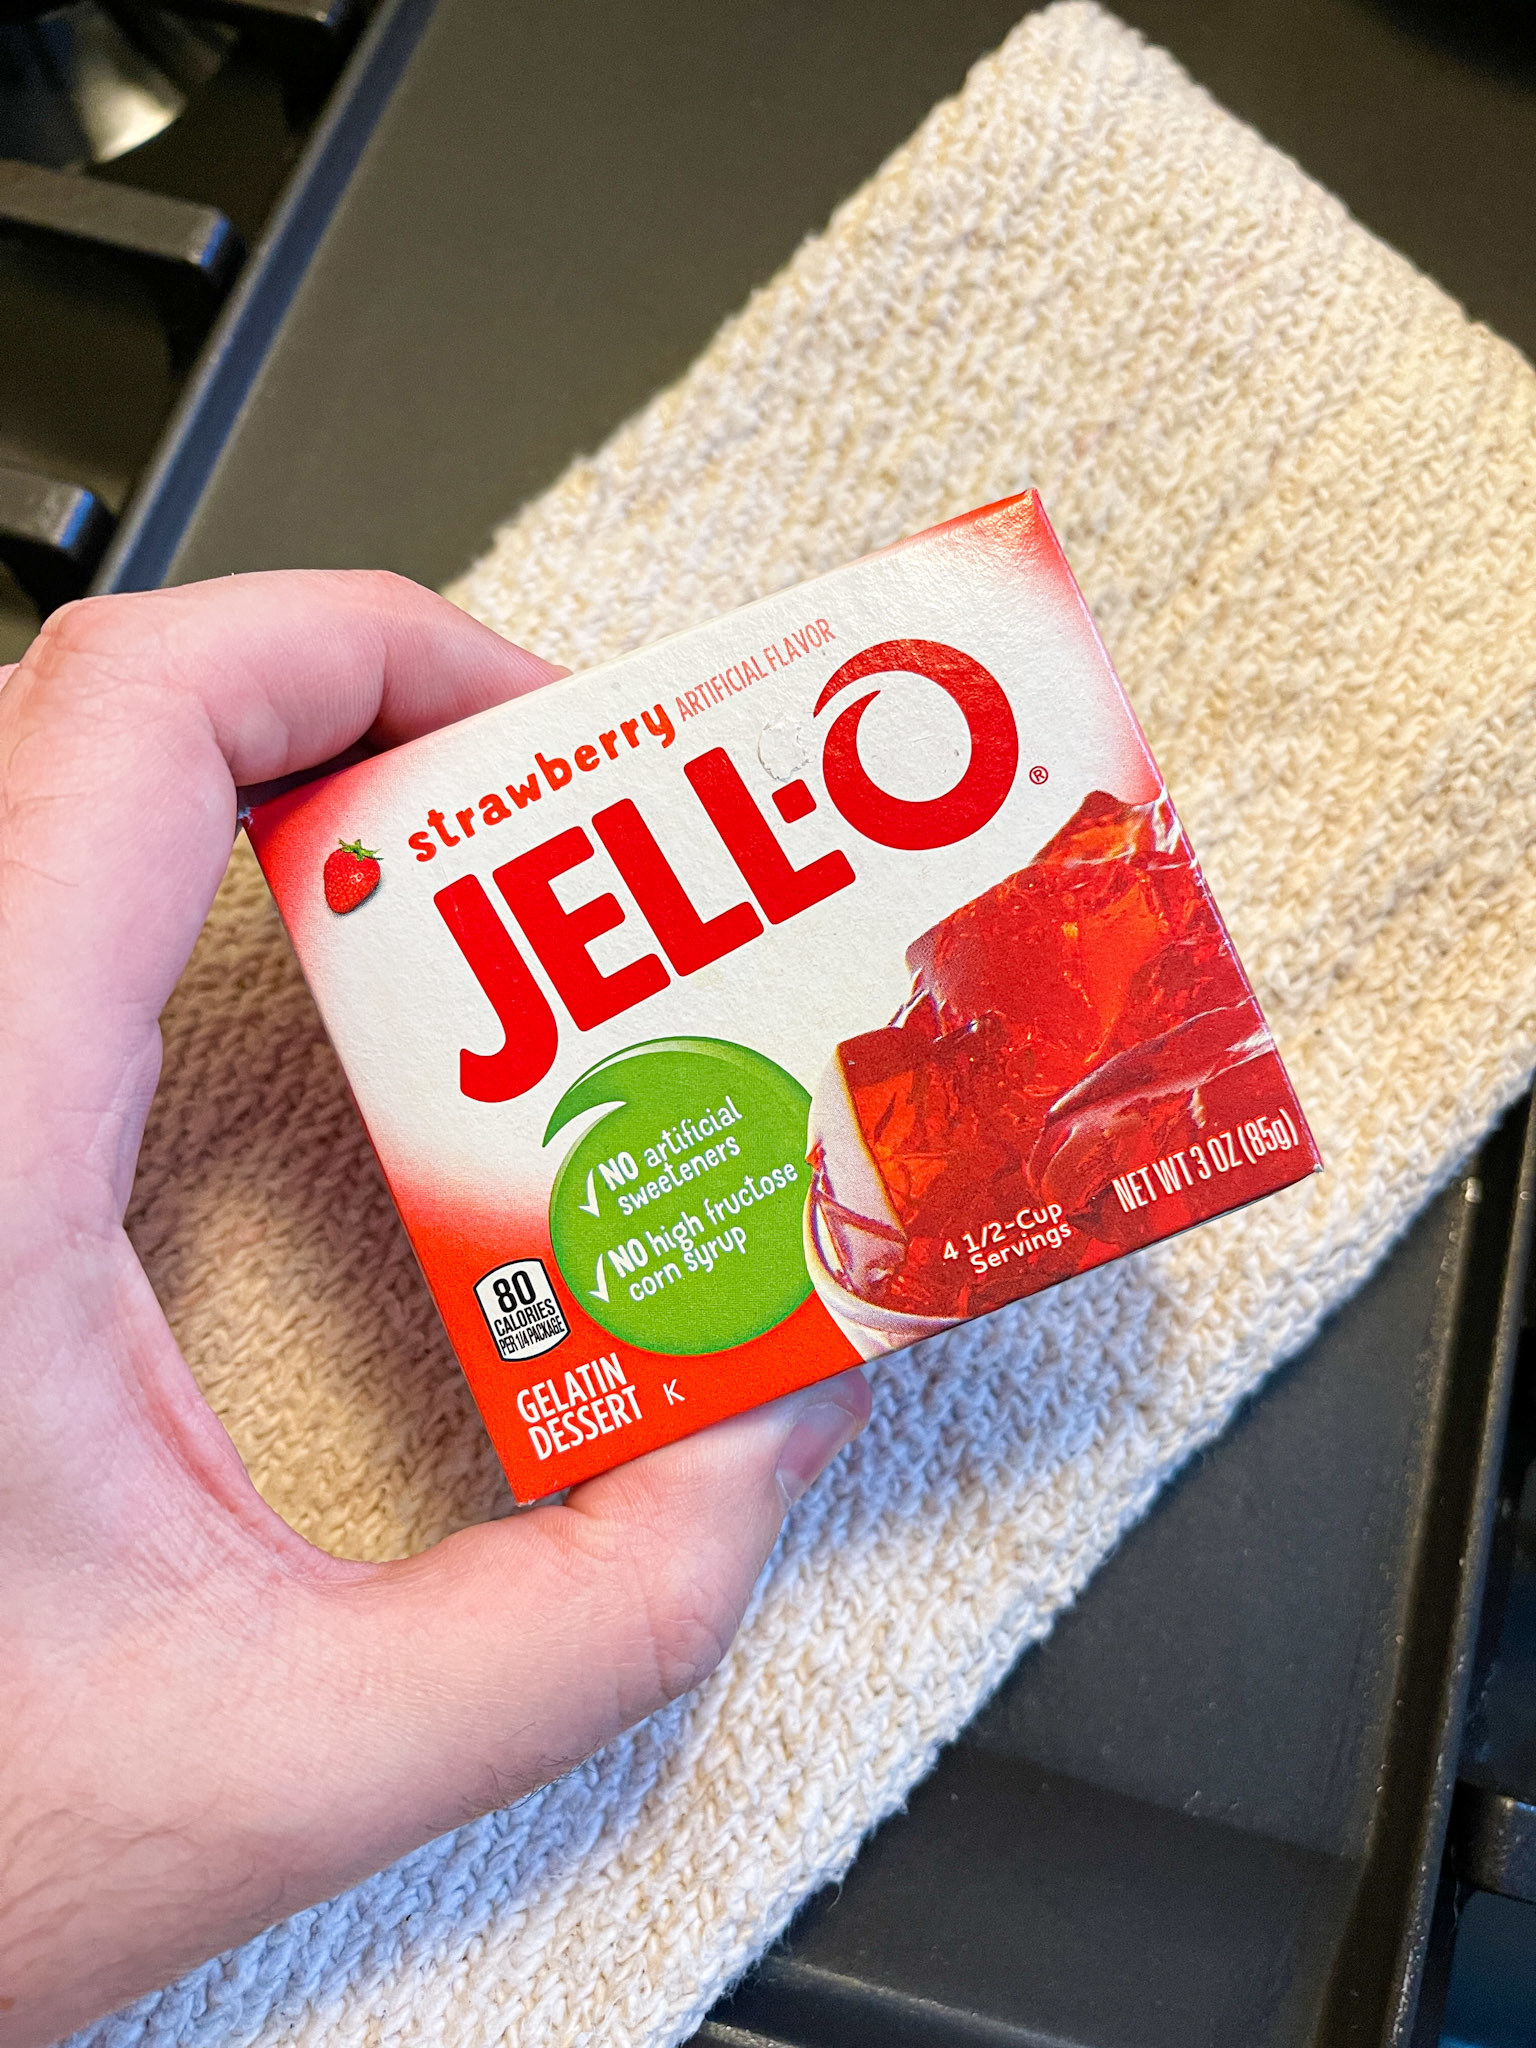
(779, 994)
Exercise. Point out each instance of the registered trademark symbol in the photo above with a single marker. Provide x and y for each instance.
(1039, 774)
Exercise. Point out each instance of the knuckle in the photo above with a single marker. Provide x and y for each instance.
(386, 588)
(90, 649)
(689, 1643)
(691, 1614)
(84, 626)
(665, 1606)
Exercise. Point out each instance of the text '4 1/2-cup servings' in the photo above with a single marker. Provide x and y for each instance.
(779, 994)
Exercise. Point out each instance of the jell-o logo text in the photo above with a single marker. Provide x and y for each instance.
(560, 938)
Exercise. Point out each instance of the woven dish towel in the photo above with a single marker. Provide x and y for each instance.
(1300, 492)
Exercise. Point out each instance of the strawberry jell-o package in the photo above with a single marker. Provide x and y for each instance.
(780, 994)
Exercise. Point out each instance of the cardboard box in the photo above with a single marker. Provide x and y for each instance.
(780, 994)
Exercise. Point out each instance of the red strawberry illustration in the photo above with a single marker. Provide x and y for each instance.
(351, 875)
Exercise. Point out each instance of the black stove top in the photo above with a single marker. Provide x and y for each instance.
(143, 147)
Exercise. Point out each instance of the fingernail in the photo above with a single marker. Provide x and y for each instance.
(820, 1432)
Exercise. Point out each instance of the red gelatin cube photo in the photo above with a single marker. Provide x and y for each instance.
(1081, 1020)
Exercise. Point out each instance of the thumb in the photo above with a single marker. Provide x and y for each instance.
(512, 1650)
(282, 1724)
(295, 1723)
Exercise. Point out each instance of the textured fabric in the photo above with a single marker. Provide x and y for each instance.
(1298, 489)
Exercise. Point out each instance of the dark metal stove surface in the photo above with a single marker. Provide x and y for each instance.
(1210, 1808)
(144, 145)
(1213, 1808)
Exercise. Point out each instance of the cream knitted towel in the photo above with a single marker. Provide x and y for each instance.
(1300, 492)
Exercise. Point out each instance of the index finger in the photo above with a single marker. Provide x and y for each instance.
(124, 731)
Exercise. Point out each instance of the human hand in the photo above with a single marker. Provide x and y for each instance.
(207, 1723)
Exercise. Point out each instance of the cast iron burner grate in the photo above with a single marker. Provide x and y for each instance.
(86, 83)
(142, 148)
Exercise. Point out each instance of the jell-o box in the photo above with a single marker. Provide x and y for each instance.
(780, 994)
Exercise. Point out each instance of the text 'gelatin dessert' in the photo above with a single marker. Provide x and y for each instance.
(607, 968)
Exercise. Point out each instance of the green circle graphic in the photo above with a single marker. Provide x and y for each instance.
(675, 1218)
